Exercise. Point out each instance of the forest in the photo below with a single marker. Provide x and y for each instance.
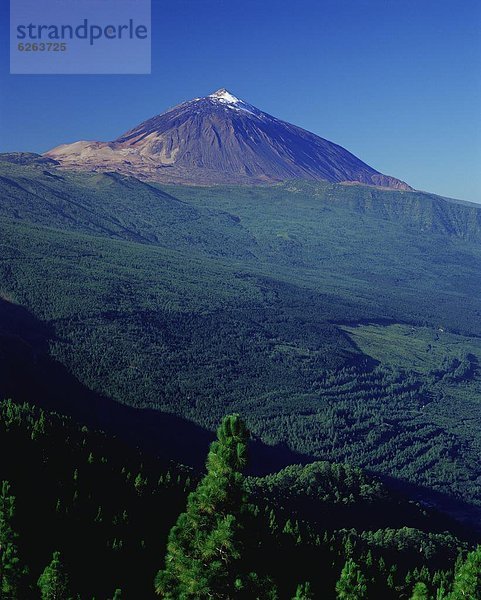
(83, 515)
(341, 323)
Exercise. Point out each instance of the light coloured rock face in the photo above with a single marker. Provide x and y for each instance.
(221, 139)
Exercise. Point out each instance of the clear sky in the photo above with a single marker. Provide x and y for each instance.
(396, 82)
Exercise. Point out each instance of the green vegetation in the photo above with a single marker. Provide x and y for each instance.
(232, 540)
(76, 492)
(421, 349)
(53, 582)
(10, 566)
(341, 322)
(202, 301)
(352, 584)
(467, 577)
(207, 548)
(303, 592)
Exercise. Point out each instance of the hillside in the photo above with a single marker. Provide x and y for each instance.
(107, 509)
(277, 302)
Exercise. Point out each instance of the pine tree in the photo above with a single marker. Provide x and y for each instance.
(54, 582)
(467, 578)
(10, 568)
(420, 591)
(304, 592)
(38, 429)
(352, 585)
(140, 483)
(441, 593)
(205, 547)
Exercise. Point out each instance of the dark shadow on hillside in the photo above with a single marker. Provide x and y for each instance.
(462, 518)
(29, 374)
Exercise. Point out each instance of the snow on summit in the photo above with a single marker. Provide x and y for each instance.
(225, 96)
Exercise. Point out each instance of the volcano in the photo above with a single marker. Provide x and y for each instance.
(220, 139)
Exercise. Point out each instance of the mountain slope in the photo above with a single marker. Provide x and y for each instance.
(199, 301)
(221, 139)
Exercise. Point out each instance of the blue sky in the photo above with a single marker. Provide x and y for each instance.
(398, 83)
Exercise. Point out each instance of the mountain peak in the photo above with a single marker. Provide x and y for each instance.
(223, 95)
(221, 139)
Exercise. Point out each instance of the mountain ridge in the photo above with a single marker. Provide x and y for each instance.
(220, 139)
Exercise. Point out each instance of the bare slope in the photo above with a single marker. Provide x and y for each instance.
(221, 139)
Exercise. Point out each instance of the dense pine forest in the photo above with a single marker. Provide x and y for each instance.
(82, 515)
